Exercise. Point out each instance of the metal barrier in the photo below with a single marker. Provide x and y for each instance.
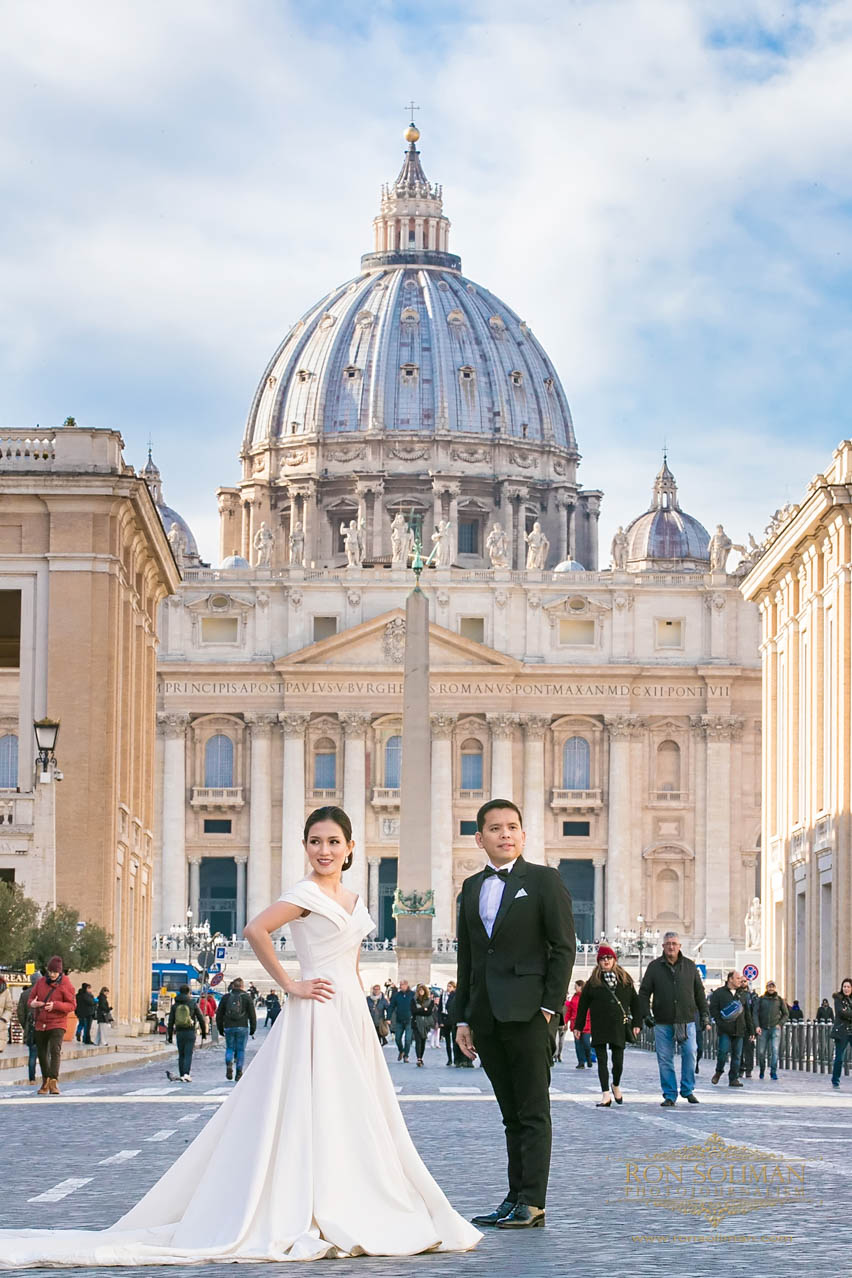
(805, 1046)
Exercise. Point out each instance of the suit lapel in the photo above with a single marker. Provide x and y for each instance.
(474, 919)
(514, 883)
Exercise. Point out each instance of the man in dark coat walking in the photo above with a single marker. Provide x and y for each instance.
(516, 947)
(670, 996)
(730, 1007)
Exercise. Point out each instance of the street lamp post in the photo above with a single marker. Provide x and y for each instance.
(44, 818)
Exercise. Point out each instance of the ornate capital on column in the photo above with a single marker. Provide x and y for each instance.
(241, 860)
(369, 485)
(294, 722)
(624, 726)
(517, 491)
(355, 722)
(503, 725)
(442, 725)
(535, 726)
(718, 727)
(374, 862)
(194, 860)
(261, 722)
(565, 500)
(170, 724)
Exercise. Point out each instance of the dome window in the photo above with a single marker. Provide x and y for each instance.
(351, 372)
(517, 378)
(272, 381)
(455, 318)
(409, 317)
(303, 375)
(497, 326)
(409, 372)
(364, 319)
(467, 374)
(548, 382)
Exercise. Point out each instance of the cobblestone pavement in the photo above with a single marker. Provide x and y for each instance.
(615, 1207)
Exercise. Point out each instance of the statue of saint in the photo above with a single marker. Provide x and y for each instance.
(353, 543)
(619, 549)
(297, 545)
(402, 541)
(264, 540)
(720, 547)
(442, 539)
(753, 924)
(537, 547)
(177, 541)
(495, 544)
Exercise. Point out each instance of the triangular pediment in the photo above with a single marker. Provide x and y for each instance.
(378, 644)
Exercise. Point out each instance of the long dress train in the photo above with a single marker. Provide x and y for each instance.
(308, 1157)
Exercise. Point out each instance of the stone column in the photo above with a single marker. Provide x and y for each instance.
(502, 735)
(173, 888)
(195, 887)
(374, 865)
(564, 502)
(721, 731)
(518, 494)
(535, 727)
(241, 894)
(260, 891)
(621, 729)
(442, 822)
(355, 723)
(437, 503)
(599, 897)
(293, 723)
(378, 517)
(454, 491)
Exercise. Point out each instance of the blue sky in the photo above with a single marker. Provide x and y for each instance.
(661, 188)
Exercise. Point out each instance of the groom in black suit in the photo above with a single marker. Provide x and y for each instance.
(516, 947)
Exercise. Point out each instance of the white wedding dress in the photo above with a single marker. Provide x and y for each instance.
(309, 1156)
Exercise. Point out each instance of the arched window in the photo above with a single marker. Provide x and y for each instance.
(393, 762)
(325, 765)
(668, 766)
(667, 894)
(9, 762)
(219, 762)
(471, 764)
(576, 758)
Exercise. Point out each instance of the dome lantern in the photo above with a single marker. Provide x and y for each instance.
(411, 228)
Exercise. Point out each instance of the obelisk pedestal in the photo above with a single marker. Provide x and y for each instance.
(414, 909)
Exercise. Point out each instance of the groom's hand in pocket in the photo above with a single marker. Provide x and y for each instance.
(464, 1038)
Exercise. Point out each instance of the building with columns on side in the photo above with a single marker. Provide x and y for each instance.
(801, 584)
(620, 707)
(84, 564)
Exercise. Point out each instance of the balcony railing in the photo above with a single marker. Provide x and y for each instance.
(669, 796)
(16, 810)
(385, 797)
(476, 795)
(217, 796)
(324, 796)
(575, 800)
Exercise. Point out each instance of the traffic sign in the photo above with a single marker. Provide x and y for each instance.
(750, 972)
(220, 953)
(205, 959)
(217, 978)
(217, 967)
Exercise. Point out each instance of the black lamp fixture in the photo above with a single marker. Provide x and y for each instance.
(46, 731)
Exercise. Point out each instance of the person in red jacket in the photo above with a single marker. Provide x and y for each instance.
(52, 1000)
(583, 1044)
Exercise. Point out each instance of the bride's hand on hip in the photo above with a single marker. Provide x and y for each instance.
(319, 988)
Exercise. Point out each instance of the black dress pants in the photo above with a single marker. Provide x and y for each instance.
(517, 1056)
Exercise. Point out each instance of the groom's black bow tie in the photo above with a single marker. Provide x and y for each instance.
(501, 874)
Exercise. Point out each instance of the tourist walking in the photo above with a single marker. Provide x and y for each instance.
(273, 1008)
(825, 1012)
(842, 1032)
(7, 1006)
(183, 1018)
(207, 1007)
(103, 1018)
(610, 1001)
(401, 1005)
(670, 995)
(27, 1024)
(236, 1018)
(772, 1012)
(377, 1005)
(582, 1033)
(752, 998)
(422, 1020)
(85, 1007)
(52, 1000)
(445, 1025)
(730, 1008)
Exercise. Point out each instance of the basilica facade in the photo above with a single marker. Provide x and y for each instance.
(619, 705)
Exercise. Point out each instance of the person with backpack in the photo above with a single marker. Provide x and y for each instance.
(236, 1019)
(730, 1008)
(183, 1017)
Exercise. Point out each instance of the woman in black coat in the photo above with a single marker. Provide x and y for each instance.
(422, 1019)
(842, 1032)
(610, 997)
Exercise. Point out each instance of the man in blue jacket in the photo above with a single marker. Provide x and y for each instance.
(400, 1006)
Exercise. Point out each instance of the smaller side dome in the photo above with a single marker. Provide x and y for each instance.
(180, 535)
(235, 561)
(569, 565)
(665, 538)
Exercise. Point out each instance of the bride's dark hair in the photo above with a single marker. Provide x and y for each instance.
(339, 817)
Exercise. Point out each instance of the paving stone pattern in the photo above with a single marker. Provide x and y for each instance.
(592, 1229)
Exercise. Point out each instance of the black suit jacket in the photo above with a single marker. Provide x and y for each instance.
(526, 963)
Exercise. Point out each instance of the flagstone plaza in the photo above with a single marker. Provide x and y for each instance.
(629, 1194)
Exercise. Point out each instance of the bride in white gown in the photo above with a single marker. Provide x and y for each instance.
(309, 1156)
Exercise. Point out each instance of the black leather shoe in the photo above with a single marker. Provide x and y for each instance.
(493, 1217)
(667, 1104)
(522, 1217)
(693, 1099)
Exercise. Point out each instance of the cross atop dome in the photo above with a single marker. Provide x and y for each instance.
(411, 227)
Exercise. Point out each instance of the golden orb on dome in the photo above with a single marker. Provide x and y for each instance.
(412, 133)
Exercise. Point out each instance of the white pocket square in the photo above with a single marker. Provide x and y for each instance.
(522, 892)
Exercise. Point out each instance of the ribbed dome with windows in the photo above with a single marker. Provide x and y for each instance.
(666, 538)
(410, 345)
